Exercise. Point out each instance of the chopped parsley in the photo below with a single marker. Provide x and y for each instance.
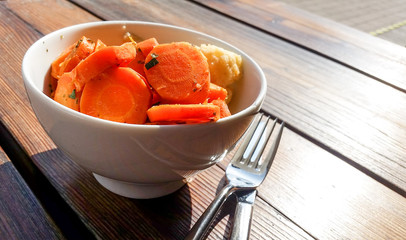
(153, 61)
(78, 43)
(73, 94)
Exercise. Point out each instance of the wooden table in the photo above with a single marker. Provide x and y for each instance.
(340, 172)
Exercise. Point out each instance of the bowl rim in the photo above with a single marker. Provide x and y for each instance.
(250, 110)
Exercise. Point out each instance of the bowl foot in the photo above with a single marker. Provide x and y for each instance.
(139, 190)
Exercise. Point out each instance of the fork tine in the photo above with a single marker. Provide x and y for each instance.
(268, 159)
(261, 126)
(246, 138)
(266, 134)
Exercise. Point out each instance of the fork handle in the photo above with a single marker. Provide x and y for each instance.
(242, 221)
(202, 225)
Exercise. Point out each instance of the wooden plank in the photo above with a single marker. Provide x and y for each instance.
(368, 16)
(268, 222)
(361, 51)
(324, 100)
(107, 215)
(21, 215)
(64, 14)
(327, 197)
(110, 216)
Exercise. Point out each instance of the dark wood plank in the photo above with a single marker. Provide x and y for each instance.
(107, 215)
(361, 51)
(21, 215)
(327, 101)
(111, 216)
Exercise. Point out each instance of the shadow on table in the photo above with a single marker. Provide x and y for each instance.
(225, 218)
(108, 215)
(102, 213)
(171, 214)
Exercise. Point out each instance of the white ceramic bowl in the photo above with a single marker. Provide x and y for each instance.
(137, 161)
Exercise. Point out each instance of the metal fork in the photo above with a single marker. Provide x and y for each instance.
(247, 169)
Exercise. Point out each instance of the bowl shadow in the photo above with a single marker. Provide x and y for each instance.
(105, 214)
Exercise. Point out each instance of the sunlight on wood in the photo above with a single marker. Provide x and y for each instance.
(329, 195)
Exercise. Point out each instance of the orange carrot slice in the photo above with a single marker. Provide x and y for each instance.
(147, 45)
(156, 99)
(101, 60)
(56, 64)
(216, 92)
(99, 45)
(179, 72)
(83, 48)
(65, 92)
(184, 113)
(224, 110)
(138, 63)
(119, 94)
(52, 86)
(143, 49)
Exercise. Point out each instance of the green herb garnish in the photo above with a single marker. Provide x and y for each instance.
(78, 43)
(73, 94)
(153, 61)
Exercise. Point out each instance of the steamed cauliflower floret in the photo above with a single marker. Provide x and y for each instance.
(225, 66)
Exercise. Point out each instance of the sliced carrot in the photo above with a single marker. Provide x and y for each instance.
(66, 93)
(119, 94)
(184, 113)
(156, 99)
(224, 110)
(147, 45)
(138, 63)
(101, 60)
(83, 48)
(56, 64)
(99, 45)
(143, 49)
(216, 92)
(52, 86)
(179, 72)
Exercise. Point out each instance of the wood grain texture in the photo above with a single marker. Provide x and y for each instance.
(327, 197)
(304, 196)
(49, 15)
(21, 215)
(368, 16)
(361, 51)
(348, 112)
(107, 215)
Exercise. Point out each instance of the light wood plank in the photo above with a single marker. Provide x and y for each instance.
(368, 16)
(373, 56)
(47, 16)
(327, 197)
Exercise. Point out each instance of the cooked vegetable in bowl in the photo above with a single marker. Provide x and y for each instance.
(146, 82)
(117, 106)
